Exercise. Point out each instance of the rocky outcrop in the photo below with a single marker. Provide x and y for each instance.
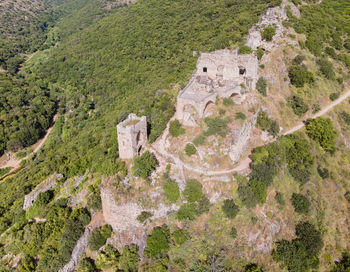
(272, 17)
(44, 186)
(242, 139)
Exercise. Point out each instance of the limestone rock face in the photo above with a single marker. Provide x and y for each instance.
(44, 186)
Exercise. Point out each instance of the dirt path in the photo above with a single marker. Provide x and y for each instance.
(159, 146)
(15, 163)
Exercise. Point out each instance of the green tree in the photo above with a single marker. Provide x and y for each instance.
(230, 208)
(261, 86)
(190, 149)
(171, 190)
(244, 49)
(157, 243)
(175, 128)
(107, 258)
(129, 260)
(268, 33)
(193, 190)
(299, 75)
(99, 237)
(343, 265)
(322, 131)
(298, 105)
(144, 165)
(300, 203)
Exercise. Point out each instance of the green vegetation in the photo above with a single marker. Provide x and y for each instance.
(107, 258)
(301, 254)
(144, 165)
(268, 33)
(334, 96)
(193, 190)
(261, 86)
(267, 124)
(200, 140)
(4, 171)
(322, 131)
(240, 116)
(129, 260)
(323, 172)
(326, 68)
(157, 243)
(244, 49)
(186, 211)
(298, 105)
(280, 199)
(299, 75)
(190, 150)
(216, 126)
(233, 233)
(99, 237)
(180, 236)
(230, 208)
(252, 267)
(171, 190)
(343, 265)
(300, 203)
(227, 102)
(260, 53)
(144, 215)
(176, 129)
(87, 265)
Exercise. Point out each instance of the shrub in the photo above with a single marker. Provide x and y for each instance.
(316, 108)
(171, 190)
(129, 260)
(298, 105)
(222, 112)
(298, 60)
(179, 236)
(347, 196)
(94, 202)
(299, 75)
(216, 126)
(267, 124)
(252, 267)
(186, 211)
(4, 171)
(107, 258)
(323, 172)
(200, 140)
(280, 199)
(144, 215)
(330, 52)
(190, 149)
(193, 190)
(240, 116)
(176, 129)
(261, 86)
(322, 131)
(144, 165)
(87, 265)
(334, 96)
(233, 233)
(260, 53)
(274, 128)
(230, 208)
(228, 102)
(300, 203)
(203, 205)
(99, 236)
(157, 243)
(343, 265)
(268, 33)
(244, 49)
(259, 189)
(247, 196)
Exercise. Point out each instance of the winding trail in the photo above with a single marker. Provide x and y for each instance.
(15, 163)
(159, 146)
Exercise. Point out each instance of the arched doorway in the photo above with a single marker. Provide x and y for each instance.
(208, 109)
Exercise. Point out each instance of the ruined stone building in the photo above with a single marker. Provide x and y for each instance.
(132, 135)
(225, 73)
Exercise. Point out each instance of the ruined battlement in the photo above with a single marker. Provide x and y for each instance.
(132, 135)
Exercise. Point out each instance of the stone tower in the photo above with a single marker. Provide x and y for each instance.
(132, 135)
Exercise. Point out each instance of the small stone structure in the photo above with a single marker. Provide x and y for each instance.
(132, 135)
(222, 73)
(44, 186)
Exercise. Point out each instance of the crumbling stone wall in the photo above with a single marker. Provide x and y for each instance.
(44, 186)
(132, 135)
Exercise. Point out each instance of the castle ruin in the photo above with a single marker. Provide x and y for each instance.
(132, 135)
(225, 73)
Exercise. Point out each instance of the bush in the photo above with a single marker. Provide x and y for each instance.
(252, 267)
(316, 108)
(94, 202)
(176, 129)
(87, 265)
(330, 52)
(300, 203)
(298, 60)
(247, 196)
(347, 196)
(244, 49)
(171, 190)
(280, 199)
(267, 124)
(233, 233)
(144, 215)
(186, 211)
(240, 116)
(216, 126)
(298, 105)
(200, 140)
(322, 131)
(345, 117)
(107, 258)
(230, 208)
(261, 86)
(157, 243)
(129, 260)
(343, 265)
(228, 102)
(144, 165)
(179, 236)
(203, 205)
(193, 190)
(99, 236)
(260, 53)
(334, 96)
(326, 68)
(299, 75)
(323, 172)
(268, 33)
(259, 189)
(190, 149)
